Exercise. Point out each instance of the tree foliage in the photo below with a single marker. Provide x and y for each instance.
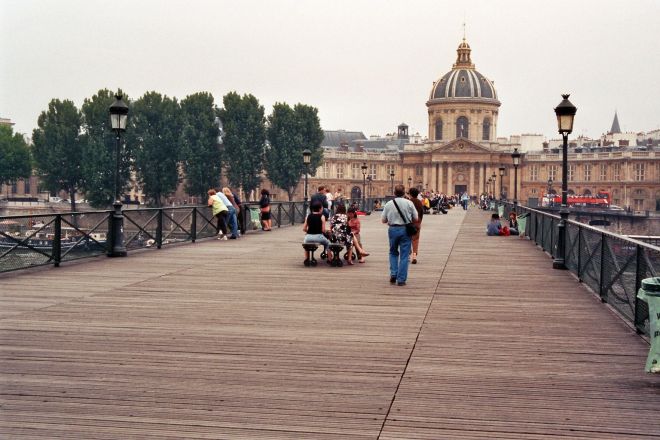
(243, 141)
(15, 159)
(200, 150)
(58, 150)
(155, 133)
(290, 131)
(99, 151)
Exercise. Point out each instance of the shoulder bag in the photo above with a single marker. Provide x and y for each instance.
(410, 228)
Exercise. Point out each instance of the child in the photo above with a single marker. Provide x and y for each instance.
(354, 224)
(315, 228)
(494, 226)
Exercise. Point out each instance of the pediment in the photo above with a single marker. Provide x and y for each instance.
(461, 146)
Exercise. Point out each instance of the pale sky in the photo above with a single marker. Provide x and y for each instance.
(367, 65)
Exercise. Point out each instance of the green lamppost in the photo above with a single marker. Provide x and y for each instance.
(118, 118)
(565, 112)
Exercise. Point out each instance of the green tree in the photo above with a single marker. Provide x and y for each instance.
(99, 151)
(290, 131)
(200, 148)
(155, 133)
(58, 150)
(243, 141)
(15, 159)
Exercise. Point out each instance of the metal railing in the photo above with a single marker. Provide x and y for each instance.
(43, 239)
(613, 266)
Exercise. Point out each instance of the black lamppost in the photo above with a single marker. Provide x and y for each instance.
(409, 182)
(369, 180)
(565, 112)
(364, 185)
(118, 117)
(515, 157)
(392, 179)
(493, 179)
(501, 169)
(307, 159)
(549, 186)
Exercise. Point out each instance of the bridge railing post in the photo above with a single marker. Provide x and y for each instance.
(279, 215)
(641, 309)
(159, 228)
(57, 241)
(193, 225)
(601, 281)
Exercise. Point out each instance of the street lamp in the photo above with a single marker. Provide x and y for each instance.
(369, 179)
(409, 182)
(494, 181)
(307, 159)
(392, 179)
(515, 157)
(501, 169)
(364, 184)
(549, 186)
(118, 117)
(565, 112)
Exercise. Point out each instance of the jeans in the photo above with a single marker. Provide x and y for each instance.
(400, 244)
(317, 238)
(233, 221)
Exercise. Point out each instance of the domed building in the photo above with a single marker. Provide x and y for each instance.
(470, 96)
(461, 153)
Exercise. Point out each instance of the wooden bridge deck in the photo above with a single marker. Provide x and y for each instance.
(237, 340)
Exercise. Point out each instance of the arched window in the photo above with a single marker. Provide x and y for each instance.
(438, 130)
(462, 126)
(486, 133)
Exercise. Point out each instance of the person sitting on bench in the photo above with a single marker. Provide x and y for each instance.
(341, 232)
(315, 228)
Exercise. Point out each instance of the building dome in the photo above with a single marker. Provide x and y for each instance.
(463, 81)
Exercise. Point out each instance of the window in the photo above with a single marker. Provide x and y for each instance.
(602, 174)
(587, 172)
(638, 204)
(616, 171)
(356, 171)
(534, 172)
(638, 170)
(390, 169)
(340, 171)
(486, 131)
(657, 171)
(419, 170)
(534, 192)
(571, 172)
(552, 172)
(438, 130)
(372, 171)
(326, 170)
(462, 126)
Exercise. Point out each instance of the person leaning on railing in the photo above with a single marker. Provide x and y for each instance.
(220, 212)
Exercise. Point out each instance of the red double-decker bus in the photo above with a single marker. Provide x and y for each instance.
(600, 200)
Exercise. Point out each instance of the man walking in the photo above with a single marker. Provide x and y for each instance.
(397, 213)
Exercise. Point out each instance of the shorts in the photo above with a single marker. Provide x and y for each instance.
(265, 215)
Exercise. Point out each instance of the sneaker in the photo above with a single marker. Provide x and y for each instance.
(392, 279)
(400, 283)
(224, 238)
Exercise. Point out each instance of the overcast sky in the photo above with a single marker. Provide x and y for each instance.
(367, 65)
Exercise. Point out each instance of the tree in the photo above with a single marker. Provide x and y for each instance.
(58, 150)
(290, 131)
(155, 132)
(200, 148)
(100, 149)
(244, 139)
(15, 159)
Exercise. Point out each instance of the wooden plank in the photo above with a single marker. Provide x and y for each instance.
(237, 339)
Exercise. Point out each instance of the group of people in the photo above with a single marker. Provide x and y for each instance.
(495, 227)
(226, 207)
(343, 227)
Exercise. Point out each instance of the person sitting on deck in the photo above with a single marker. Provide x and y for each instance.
(513, 223)
(494, 227)
(314, 228)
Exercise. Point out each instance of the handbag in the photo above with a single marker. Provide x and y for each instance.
(410, 228)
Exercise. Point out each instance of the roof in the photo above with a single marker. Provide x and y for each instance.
(334, 138)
